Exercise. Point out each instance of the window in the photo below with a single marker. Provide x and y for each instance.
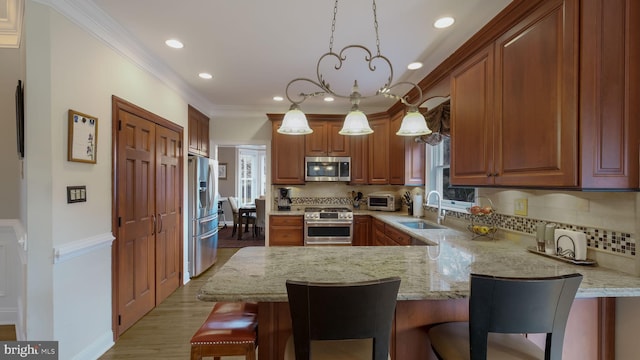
(251, 174)
(438, 163)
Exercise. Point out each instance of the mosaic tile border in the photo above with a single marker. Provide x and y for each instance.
(602, 239)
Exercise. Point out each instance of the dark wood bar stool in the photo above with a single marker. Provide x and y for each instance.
(501, 310)
(333, 321)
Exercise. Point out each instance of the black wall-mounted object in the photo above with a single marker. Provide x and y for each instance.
(20, 118)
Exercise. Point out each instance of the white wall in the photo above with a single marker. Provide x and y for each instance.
(10, 73)
(70, 301)
(250, 128)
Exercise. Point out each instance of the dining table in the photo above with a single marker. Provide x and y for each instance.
(244, 212)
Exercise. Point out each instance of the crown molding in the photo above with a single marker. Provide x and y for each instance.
(11, 24)
(88, 16)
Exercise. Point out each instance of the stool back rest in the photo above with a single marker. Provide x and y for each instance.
(520, 305)
(336, 311)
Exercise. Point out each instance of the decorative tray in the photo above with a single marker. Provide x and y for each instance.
(588, 262)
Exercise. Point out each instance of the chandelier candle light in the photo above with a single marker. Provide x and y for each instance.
(355, 123)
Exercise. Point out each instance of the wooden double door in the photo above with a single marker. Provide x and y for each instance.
(147, 261)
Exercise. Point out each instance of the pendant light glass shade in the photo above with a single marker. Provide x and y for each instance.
(413, 124)
(294, 123)
(355, 123)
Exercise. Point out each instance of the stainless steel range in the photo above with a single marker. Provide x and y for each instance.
(328, 226)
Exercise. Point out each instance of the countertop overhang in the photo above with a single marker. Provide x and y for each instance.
(427, 272)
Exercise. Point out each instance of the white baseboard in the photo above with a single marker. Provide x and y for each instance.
(96, 349)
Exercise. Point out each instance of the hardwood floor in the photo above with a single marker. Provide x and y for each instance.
(7, 333)
(164, 333)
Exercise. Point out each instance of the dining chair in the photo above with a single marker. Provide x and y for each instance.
(247, 219)
(501, 310)
(336, 321)
(260, 217)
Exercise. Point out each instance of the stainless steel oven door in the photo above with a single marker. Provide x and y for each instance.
(334, 232)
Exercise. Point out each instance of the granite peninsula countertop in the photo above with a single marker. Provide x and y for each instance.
(427, 272)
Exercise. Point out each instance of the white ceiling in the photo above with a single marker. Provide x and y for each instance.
(253, 48)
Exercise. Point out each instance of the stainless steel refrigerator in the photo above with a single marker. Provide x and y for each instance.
(203, 214)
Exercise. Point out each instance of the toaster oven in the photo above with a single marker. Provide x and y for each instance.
(384, 201)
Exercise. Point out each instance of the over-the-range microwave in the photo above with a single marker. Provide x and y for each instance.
(327, 168)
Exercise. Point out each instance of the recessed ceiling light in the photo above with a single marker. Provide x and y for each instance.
(444, 22)
(328, 98)
(176, 44)
(414, 65)
(205, 75)
(278, 98)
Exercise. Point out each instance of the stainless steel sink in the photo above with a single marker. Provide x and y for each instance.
(420, 224)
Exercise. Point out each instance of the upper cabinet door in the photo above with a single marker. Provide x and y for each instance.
(379, 151)
(514, 108)
(198, 132)
(337, 145)
(536, 87)
(287, 155)
(315, 144)
(325, 140)
(610, 93)
(472, 121)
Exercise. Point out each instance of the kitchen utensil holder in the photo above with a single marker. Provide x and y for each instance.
(483, 224)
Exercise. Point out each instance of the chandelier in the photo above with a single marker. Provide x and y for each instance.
(356, 123)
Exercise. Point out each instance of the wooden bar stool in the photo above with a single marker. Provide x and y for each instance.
(501, 309)
(230, 329)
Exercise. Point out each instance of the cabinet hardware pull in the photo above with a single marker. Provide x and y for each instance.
(154, 224)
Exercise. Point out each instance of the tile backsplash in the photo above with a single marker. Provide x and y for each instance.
(609, 219)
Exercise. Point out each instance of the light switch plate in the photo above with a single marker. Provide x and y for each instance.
(520, 207)
(76, 194)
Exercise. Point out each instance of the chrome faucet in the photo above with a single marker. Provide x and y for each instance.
(441, 213)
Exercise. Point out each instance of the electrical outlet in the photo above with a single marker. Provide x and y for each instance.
(520, 207)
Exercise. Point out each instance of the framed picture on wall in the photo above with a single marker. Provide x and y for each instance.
(83, 137)
(222, 171)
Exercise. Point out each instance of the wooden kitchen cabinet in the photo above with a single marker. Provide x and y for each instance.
(415, 157)
(514, 118)
(198, 132)
(286, 230)
(362, 230)
(397, 236)
(388, 235)
(379, 151)
(610, 93)
(406, 157)
(379, 237)
(396, 150)
(472, 120)
(359, 148)
(287, 155)
(325, 140)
